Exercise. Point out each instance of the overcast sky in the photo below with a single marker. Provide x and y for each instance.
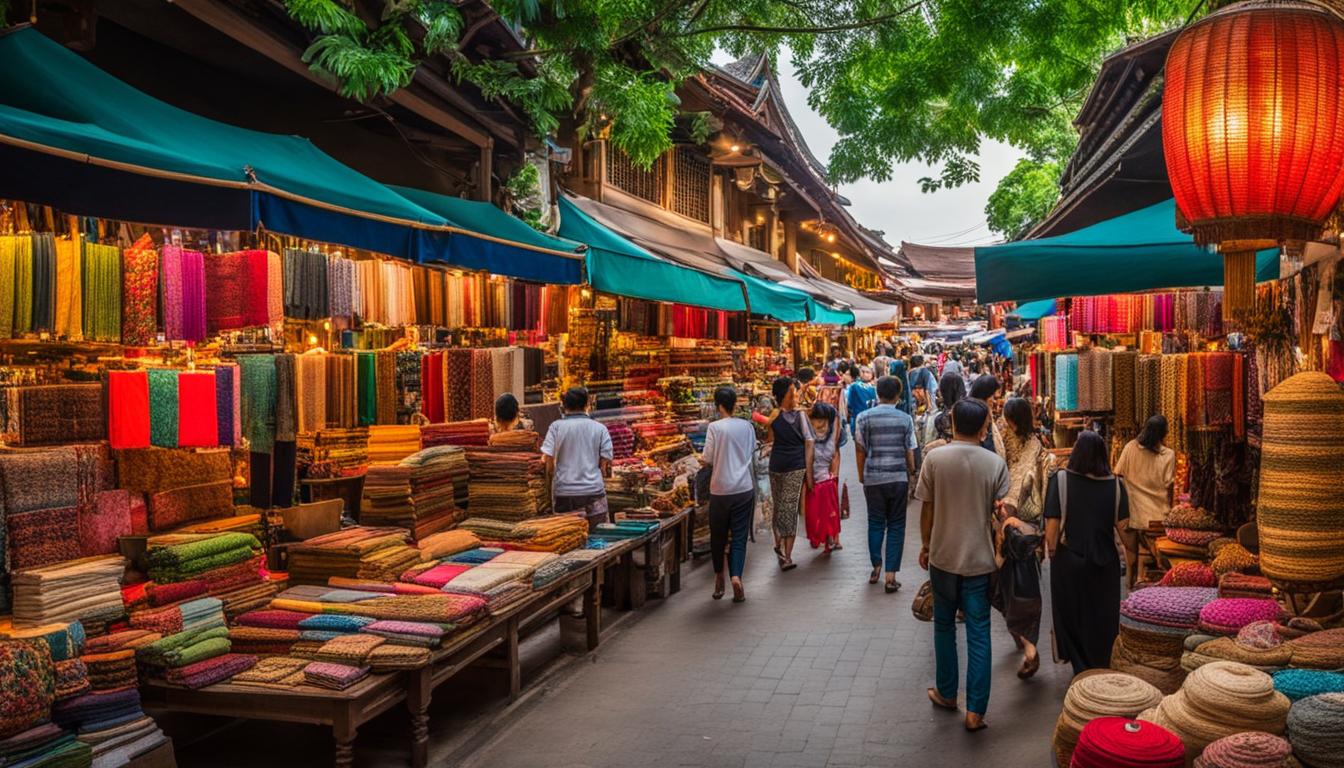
(898, 207)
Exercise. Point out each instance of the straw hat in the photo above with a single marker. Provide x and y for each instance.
(1314, 730)
(1219, 699)
(1118, 742)
(1264, 659)
(1252, 749)
(1163, 672)
(1094, 694)
(1301, 471)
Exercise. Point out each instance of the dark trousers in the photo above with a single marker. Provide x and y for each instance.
(730, 513)
(593, 507)
(886, 520)
(273, 476)
(970, 595)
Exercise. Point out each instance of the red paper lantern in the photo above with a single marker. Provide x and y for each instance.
(1253, 123)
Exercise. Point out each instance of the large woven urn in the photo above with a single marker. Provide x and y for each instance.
(1300, 512)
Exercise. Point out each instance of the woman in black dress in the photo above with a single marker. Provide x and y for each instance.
(1084, 506)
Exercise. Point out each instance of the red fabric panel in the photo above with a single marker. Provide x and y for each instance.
(197, 414)
(128, 409)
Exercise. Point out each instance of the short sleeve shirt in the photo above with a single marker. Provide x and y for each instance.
(729, 444)
(578, 444)
(964, 480)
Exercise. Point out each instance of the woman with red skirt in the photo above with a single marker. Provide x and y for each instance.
(822, 506)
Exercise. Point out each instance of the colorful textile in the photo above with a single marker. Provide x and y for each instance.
(102, 524)
(335, 676)
(1177, 607)
(367, 388)
(274, 671)
(101, 292)
(258, 394)
(42, 537)
(210, 671)
(128, 409)
(53, 414)
(1298, 684)
(69, 310)
(1227, 615)
(273, 619)
(140, 286)
(163, 407)
(1116, 742)
(1313, 730)
(197, 417)
(225, 411)
(27, 685)
(170, 509)
(1247, 750)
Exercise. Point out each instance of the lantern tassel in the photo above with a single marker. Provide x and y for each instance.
(1238, 283)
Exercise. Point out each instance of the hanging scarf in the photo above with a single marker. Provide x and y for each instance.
(163, 407)
(128, 409)
(140, 284)
(257, 395)
(69, 320)
(197, 415)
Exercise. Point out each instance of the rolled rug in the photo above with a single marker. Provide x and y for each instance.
(1227, 615)
(1219, 699)
(1251, 749)
(1301, 470)
(1117, 742)
(1314, 730)
(1095, 694)
(1299, 684)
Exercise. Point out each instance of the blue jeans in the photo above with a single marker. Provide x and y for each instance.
(886, 518)
(970, 594)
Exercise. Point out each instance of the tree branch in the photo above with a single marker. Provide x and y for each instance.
(819, 30)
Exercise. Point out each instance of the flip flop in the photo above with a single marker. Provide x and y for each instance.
(876, 576)
(779, 555)
(739, 594)
(788, 565)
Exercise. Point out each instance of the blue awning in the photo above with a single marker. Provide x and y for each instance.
(1032, 311)
(1139, 251)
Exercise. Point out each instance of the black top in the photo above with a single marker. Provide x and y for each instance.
(789, 452)
(1092, 515)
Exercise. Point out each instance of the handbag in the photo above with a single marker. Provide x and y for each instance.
(1064, 516)
(922, 607)
(844, 501)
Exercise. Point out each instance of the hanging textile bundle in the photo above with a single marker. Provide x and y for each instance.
(128, 409)
(140, 285)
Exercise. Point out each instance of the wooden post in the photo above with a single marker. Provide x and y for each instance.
(485, 172)
(791, 243)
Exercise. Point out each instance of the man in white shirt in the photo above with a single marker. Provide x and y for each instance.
(578, 456)
(730, 444)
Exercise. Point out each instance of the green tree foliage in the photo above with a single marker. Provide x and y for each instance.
(899, 79)
(1023, 197)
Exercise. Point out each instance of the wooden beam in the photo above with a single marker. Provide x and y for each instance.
(485, 171)
(226, 20)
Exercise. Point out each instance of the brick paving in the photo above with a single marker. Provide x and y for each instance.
(817, 668)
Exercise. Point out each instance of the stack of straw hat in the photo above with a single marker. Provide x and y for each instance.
(1301, 471)
(1094, 694)
(1315, 730)
(1219, 699)
(1227, 649)
(1250, 749)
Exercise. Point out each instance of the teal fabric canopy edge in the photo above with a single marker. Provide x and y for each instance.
(498, 242)
(1035, 310)
(1138, 251)
(618, 266)
(783, 304)
(820, 313)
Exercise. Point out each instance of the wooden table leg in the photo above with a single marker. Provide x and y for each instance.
(344, 730)
(592, 610)
(419, 689)
(514, 661)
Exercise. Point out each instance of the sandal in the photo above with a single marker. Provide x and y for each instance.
(940, 702)
(877, 574)
(1029, 667)
(718, 591)
(779, 555)
(892, 586)
(739, 594)
(788, 565)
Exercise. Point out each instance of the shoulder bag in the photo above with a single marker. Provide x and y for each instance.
(1064, 516)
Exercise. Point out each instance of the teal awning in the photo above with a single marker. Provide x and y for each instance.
(498, 242)
(1139, 251)
(783, 304)
(1032, 311)
(618, 266)
(77, 138)
(820, 313)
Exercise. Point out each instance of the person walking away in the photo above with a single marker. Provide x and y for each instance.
(984, 388)
(881, 361)
(1018, 592)
(578, 455)
(822, 508)
(1148, 468)
(730, 443)
(898, 371)
(860, 395)
(789, 432)
(950, 390)
(1085, 507)
(884, 448)
(960, 487)
(807, 388)
(923, 384)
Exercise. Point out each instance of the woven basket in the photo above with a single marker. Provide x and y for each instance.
(1301, 472)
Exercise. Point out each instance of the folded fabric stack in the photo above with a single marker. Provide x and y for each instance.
(417, 494)
(438, 608)
(1228, 649)
(274, 672)
(345, 450)
(1219, 699)
(262, 641)
(554, 571)
(414, 633)
(183, 557)
(437, 546)
(393, 657)
(28, 680)
(504, 596)
(273, 619)
(438, 466)
(506, 485)
(390, 588)
(182, 485)
(349, 649)
(183, 648)
(361, 552)
(97, 711)
(44, 745)
(529, 559)
(87, 590)
(1319, 650)
(557, 533)
(1241, 585)
(459, 433)
(1094, 695)
(437, 576)
(1227, 615)
(476, 556)
(244, 523)
(624, 529)
(1314, 732)
(490, 529)
(55, 413)
(1300, 683)
(72, 679)
(484, 578)
(111, 671)
(390, 443)
(41, 507)
(1191, 526)
(126, 639)
(118, 744)
(213, 670)
(63, 640)
(1248, 750)
(189, 616)
(334, 676)
(517, 440)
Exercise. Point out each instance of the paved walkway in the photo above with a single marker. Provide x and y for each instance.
(817, 668)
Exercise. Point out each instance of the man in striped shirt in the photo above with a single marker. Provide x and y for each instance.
(884, 445)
